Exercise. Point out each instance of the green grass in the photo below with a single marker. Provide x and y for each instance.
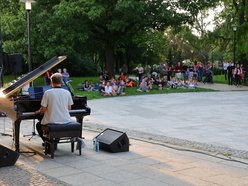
(75, 81)
(220, 79)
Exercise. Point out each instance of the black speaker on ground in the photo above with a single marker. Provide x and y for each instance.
(8, 157)
(113, 141)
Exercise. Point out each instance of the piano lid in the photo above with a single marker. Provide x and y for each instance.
(27, 78)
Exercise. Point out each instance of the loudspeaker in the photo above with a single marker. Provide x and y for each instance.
(113, 141)
(15, 63)
(8, 157)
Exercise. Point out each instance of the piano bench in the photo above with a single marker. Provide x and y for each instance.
(61, 133)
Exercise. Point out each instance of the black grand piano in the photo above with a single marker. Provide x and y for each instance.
(20, 107)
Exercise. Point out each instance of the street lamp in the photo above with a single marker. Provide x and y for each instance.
(28, 7)
(1, 57)
(234, 43)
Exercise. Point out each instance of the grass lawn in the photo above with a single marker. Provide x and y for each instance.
(75, 81)
(220, 79)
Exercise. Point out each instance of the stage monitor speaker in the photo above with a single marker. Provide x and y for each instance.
(8, 157)
(113, 141)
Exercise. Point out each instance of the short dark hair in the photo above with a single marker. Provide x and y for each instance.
(56, 78)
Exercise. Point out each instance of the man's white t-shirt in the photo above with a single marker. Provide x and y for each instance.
(56, 100)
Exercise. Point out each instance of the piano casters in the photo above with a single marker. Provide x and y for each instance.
(33, 132)
(3, 115)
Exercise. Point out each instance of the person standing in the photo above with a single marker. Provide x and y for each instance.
(238, 75)
(225, 65)
(199, 69)
(65, 75)
(230, 70)
(47, 77)
(140, 72)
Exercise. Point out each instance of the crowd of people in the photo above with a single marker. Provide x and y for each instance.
(234, 73)
(48, 74)
(157, 76)
(179, 76)
(109, 85)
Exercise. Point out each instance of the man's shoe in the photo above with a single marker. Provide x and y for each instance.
(47, 149)
(47, 152)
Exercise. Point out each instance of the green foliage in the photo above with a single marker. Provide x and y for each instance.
(153, 45)
(235, 12)
(84, 29)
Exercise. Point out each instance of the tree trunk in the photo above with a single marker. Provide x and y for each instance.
(110, 57)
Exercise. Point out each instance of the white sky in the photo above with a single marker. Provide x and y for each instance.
(209, 21)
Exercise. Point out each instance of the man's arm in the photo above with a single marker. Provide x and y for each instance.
(41, 110)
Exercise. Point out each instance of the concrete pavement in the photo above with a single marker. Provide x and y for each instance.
(212, 121)
(145, 164)
(223, 87)
(164, 132)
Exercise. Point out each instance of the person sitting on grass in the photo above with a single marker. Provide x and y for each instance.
(129, 82)
(121, 88)
(172, 83)
(87, 85)
(191, 83)
(115, 87)
(144, 85)
(159, 83)
(112, 80)
(109, 90)
(102, 89)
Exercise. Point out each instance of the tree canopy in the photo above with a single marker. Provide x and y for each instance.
(107, 34)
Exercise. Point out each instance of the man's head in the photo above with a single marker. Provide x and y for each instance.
(56, 79)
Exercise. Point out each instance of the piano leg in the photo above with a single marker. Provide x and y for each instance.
(80, 120)
(16, 134)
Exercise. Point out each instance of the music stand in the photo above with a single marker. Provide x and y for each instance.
(3, 115)
(33, 132)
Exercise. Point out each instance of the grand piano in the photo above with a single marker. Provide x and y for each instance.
(23, 107)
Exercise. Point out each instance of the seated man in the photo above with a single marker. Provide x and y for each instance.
(55, 105)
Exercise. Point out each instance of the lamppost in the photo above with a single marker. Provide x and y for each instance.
(1, 55)
(28, 7)
(234, 43)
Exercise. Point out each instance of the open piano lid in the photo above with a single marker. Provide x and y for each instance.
(27, 78)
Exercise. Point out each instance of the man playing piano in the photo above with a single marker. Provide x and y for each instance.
(55, 105)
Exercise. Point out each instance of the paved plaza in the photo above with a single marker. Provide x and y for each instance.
(175, 139)
(208, 120)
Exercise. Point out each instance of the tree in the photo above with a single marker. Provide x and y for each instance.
(235, 12)
(96, 28)
(112, 22)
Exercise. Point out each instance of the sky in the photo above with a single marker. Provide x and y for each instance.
(209, 21)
